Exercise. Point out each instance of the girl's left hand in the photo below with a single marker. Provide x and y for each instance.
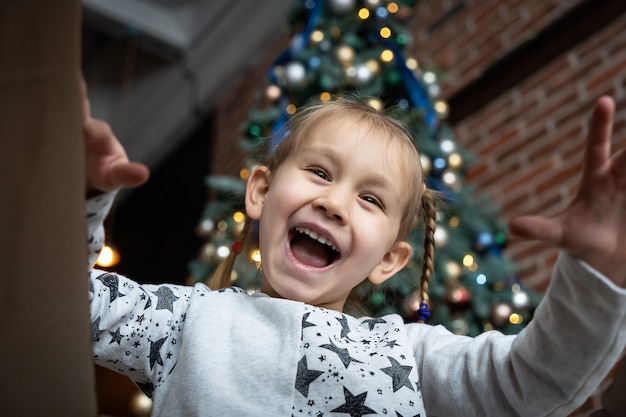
(593, 226)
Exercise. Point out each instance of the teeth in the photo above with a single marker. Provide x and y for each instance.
(313, 235)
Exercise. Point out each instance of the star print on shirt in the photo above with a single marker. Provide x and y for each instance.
(146, 387)
(345, 327)
(399, 374)
(116, 336)
(373, 322)
(305, 376)
(166, 299)
(112, 283)
(306, 323)
(144, 296)
(343, 354)
(354, 405)
(95, 330)
(155, 356)
(392, 344)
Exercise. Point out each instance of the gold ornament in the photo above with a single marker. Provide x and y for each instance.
(426, 163)
(272, 92)
(455, 161)
(345, 54)
(373, 65)
(453, 269)
(500, 314)
(207, 252)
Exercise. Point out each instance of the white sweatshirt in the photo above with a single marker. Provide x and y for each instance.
(199, 352)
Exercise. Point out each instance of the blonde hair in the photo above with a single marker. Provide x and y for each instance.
(292, 136)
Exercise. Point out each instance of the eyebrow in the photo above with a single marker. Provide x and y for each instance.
(372, 180)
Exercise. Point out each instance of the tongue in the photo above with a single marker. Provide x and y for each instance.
(310, 252)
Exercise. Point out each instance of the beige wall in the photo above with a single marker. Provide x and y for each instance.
(45, 356)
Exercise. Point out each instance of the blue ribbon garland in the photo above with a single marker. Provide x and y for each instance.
(299, 43)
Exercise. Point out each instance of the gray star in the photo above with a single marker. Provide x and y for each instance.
(305, 376)
(166, 299)
(354, 405)
(112, 283)
(146, 387)
(345, 327)
(306, 323)
(143, 297)
(392, 344)
(95, 330)
(116, 336)
(343, 354)
(399, 374)
(373, 322)
(155, 356)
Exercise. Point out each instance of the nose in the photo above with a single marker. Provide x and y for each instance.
(333, 204)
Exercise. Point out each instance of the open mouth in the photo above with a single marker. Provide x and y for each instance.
(312, 249)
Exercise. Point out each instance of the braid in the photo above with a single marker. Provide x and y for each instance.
(429, 212)
(222, 276)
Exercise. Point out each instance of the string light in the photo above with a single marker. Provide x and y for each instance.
(392, 7)
(364, 13)
(317, 36)
(108, 257)
(385, 33)
(255, 256)
(386, 56)
(238, 217)
(516, 318)
(412, 64)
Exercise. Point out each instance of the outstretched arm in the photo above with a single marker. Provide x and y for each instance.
(593, 226)
(106, 163)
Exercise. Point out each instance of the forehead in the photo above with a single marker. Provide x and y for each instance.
(358, 134)
(366, 146)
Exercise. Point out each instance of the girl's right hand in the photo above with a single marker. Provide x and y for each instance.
(106, 164)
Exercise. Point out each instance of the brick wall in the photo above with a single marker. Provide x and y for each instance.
(465, 37)
(528, 137)
(529, 140)
(523, 76)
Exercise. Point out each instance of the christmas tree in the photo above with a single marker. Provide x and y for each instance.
(356, 47)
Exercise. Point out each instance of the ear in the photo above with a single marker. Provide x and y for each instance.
(392, 262)
(256, 189)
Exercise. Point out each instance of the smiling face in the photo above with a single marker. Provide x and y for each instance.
(330, 214)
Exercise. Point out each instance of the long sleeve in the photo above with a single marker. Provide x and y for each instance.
(136, 329)
(96, 210)
(576, 336)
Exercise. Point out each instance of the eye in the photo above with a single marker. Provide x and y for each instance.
(373, 200)
(319, 172)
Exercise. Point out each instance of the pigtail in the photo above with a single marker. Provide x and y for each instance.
(222, 276)
(429, 212)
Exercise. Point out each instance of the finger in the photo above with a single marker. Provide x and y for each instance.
(619, 166)
(537, 228)
(99, 137)
(128, 175)
(598, 148)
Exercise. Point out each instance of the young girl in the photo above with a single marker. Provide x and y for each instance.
(333, 205)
